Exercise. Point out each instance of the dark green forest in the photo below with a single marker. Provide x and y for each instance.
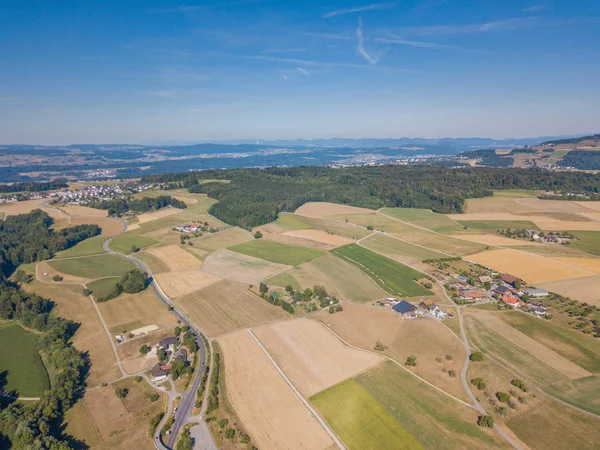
(581, 159)
(119, 207)
(31, 186)
(256, 196)
(27, 238)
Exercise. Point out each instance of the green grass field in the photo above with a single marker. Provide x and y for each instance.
(91, 246)
(123, 243)
(21, 367)
(424, 218)
(359, 420)
(588, 241)
(291, 222)
(101, 288)
(284, 279)
(576, 347)
(493, 225)
(583, 392)
(435, 420)
(93, 267)
(516, 193)
(393, 277)
(401, 250)
(277, 253)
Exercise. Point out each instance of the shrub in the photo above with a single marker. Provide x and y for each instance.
(257, 235)
(223, 423)
(230, 433)
(501, 411)
(452, 372)
(518, 383)
(57, 278)
(485, 421)
(476, 356)
(338, 308)
(87, 292)
(144, 349)
(449, 357)
(379, 346)
(244, 438)
(121, 392)
(503, 397)
(411, 361)
(479, 383)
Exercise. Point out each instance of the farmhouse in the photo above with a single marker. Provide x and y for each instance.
(158, 373)
(502, 290)
(181, 354)
(472, 294)
(509, 279)
(512, 301)
(405, 309)
(167, 342)
(485, 279)
(188, 228)
(538, 292)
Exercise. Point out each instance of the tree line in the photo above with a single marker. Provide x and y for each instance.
(253, 197)
(28, 238)
(118, 207)
(33, 186)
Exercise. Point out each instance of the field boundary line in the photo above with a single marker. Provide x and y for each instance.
(314, 412)
(389, 358)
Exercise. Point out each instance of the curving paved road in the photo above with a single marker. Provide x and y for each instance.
(189, 398)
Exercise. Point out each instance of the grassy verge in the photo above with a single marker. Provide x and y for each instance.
(393, 277)
(278, 253)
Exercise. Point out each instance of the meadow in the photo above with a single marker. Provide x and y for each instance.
(402, 251)
(493, 225)
(93, 267)
(424, 218)
(432, 418)
(360, 420)
(588, 241)
(103, 286)
(393, 277)
(21, 367)
(91, 246)
(277, 253)
(124, 243)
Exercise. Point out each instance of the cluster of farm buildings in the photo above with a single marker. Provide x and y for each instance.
(409, 311)
(173, 352)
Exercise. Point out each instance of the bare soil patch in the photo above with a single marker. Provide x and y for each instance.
(175, 258)
(239, 267)
(426, 339)
(223, 239)
(543, 353)
(330, 240)
(266, 405)
(226, 306)
(311, 356)
(529, 267)
(324, 209)
(177, 284)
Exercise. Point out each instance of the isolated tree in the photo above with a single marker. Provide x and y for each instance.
(121, 392)
(411, 361)
(87, 292)
(257, 235)
(134, 249)
(263, 288)
(479, 383)
(503, 397)
(57, 278)
(289, 289)
(476, 356)
(486, 421)
(144, 349)
(177, 331)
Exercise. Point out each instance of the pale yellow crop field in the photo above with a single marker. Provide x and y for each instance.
(176, 258)
(324, 209)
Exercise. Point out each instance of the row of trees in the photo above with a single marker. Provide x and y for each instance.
(253, 197)
(118, 207)
(34, 186)
(28, 238)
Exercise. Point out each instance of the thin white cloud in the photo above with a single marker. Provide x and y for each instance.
(534, 8)
(344, 37)
(393, 39)
(360, 40)
(301, 70)
(284, 76)
(499, 25)
(357, 9)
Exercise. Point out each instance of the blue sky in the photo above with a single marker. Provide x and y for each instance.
(146, 71)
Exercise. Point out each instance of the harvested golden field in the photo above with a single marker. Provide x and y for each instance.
(582, 289)
(177, 284)
(494, 204)
(90, 336)
(165, 212)
(223, 239)
(543, 353)
(340, 278)
(595, 216)
(496, 241)
(272, 233)
(312, 357)
(12, 209)
(330, 240)
(400, 250)
(175, 258)
(559, 206)
(110, 227)
(226, 306)
(548, 222)
(590, 205)
(239, 267)
(337, 227)
(427, 339)
(273, 415)
(143, 307)
(591, 264)
(106, 411)
(324, 209)
(529, 267)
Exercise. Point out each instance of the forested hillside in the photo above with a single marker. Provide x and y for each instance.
(33, 186)
(256, 196)
(28, 238)
(582, 160)
(121, 206)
